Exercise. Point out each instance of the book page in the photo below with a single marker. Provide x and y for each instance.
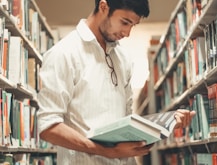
(164, 119)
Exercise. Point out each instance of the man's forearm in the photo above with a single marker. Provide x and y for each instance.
(62, 135)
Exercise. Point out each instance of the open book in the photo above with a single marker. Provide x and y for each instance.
(150, 128)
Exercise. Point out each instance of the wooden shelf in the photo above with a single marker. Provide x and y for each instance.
(198, 146)
(20, 92)
(19, 150)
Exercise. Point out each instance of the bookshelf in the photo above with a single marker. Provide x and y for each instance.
(24, 37)
(183, 71)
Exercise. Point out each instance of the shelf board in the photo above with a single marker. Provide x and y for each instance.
(34, 102)
(198, 146)
(27, 150)
(142, 106)
(5, 83)
(20, 92)
(211, 76)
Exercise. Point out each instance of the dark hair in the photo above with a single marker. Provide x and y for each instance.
(140, 7)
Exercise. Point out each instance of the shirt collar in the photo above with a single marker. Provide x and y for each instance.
(84, 31)
(110, 46)
(87, 35)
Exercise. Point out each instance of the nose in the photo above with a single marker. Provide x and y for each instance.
(126, 32)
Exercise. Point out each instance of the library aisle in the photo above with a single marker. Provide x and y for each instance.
(183, 75)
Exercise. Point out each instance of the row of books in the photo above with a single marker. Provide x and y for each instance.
(182, 158)
(16, 65)
(203, 125)
(211, 45)
(176, 35)
(195, 64)
(24, 37)
(188, 13)
(27, 20)
(173, 86)
(178, 74)
(24, 159)
(18, 123)
(183, 78)
(192, 66)
(212, 91)
(195, 61)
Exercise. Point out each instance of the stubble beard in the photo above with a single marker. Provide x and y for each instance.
(104, 30)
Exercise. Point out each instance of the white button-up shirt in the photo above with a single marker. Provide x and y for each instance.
(77, 89)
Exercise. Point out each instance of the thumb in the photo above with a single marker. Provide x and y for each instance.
(192, 113)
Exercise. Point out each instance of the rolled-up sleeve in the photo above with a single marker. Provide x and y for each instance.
(55, 93)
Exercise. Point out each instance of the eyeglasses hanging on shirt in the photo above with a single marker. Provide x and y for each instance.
(111, 66)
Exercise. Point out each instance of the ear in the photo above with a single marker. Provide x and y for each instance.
(103, 6)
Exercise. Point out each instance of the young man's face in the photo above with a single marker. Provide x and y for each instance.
(118, 25)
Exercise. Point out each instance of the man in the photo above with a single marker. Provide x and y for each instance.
(86, 83)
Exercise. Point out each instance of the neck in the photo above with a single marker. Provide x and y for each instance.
(93, 22)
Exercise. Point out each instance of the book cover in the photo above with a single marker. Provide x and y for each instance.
(204, 158)
(182, 23)
(26, 122)
(5, 53)
(214, 159)
(2, 27)
(15, 52)
(150, 128)
(203, 114)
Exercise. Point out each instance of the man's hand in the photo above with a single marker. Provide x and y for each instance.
(183, 117)
(127, 149)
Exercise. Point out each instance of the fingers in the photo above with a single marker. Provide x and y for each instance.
(144, 150)
(139, 144)
(183, 117)
(135, 148)
(192, 113)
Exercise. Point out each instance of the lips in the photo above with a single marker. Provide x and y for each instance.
(119, 37)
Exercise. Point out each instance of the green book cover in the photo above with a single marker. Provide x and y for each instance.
(204, 158)
(135, 128)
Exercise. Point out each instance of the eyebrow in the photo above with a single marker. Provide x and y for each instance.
(129, 21)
